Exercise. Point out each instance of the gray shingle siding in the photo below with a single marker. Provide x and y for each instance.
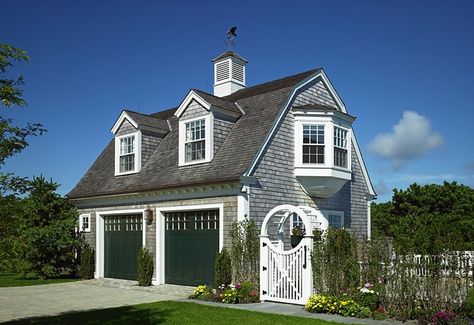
(194, 110)
(314, 93)
(275, 172)
(149, 143)
(126, 128)
(278, 185)
(222, 128)
(358, 197)
(90, 237)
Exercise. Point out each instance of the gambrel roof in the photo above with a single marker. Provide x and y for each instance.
(259, 107)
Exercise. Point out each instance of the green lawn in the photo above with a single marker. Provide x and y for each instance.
(171, 312)
(16, 280)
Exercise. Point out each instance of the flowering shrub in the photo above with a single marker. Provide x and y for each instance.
(203, 292)
(367, 297)
(230, 295)
(443, 318)
(344, 306)
(242, 292)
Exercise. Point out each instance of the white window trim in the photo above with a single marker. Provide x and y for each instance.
(209, 140)
(160, 233)
(326, 214)
(299, 144)
(348, 145)
(329, 125)
(138, 153)
(81, 222)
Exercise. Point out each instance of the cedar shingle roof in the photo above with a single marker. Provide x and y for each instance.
(148, 120)
(219, 102)
(261, 103)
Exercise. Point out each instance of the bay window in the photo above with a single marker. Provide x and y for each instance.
(313, 144)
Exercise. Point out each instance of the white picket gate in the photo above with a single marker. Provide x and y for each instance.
(286, 276)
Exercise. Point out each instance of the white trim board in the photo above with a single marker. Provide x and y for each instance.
(160, 232)
(100, 253)
(192, 95)
(123, 116)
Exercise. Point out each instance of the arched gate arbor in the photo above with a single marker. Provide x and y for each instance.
(286, 275)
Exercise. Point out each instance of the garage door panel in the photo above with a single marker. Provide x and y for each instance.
(191, 245)
(123, 240)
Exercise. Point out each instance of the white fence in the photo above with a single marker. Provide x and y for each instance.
(453, 263)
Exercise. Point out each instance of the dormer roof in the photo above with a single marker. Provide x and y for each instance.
(208, 101)
(141, 121)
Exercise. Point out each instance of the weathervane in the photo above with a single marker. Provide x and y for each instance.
(229, 42)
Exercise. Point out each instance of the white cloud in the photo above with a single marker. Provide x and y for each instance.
(411, 137)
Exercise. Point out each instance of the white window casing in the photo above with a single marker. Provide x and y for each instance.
(302, 123)
(208, 140)
(136, 152)
(85, 222)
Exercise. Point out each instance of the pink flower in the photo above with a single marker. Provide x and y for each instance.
(368, 285)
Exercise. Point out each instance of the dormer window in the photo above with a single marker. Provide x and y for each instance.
(196, 140)
(127, 153)
(195, 145)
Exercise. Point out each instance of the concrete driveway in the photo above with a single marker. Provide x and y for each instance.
(53, 299)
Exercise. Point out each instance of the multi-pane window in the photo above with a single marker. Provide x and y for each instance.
(335, 220)
(127, 154)
(313, 144)
(84, 222)
(195, 141)
(192, 220)
(340, 147)
(296, 221)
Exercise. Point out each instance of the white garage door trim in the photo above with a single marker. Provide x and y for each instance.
(160, 232)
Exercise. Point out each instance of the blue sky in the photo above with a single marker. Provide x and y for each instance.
(404, 68)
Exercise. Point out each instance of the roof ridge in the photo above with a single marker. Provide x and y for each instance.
(254, 90)
(143, 114)
(209, 94)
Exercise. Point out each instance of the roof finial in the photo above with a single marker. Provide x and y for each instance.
(231, 34)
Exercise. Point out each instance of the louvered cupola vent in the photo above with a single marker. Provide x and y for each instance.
(238, 72)
(222, 71)
(229, 73)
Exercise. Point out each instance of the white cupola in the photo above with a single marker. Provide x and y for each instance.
(229, 73)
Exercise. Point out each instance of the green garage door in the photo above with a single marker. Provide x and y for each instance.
(123, 240)
(191, 245)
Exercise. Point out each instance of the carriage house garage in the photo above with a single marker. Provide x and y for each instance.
(174, 181)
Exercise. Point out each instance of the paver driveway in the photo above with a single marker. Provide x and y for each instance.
(53, 299)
